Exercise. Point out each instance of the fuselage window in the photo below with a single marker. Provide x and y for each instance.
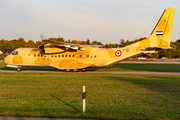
(69, 55)
(84, 56)
(45, 56)
(34, 55)
(38, 55)
(87, 56)
(55, 56)
(29, 54)
(94, 56)
(41, 55)
(51, 55)
(66, 55)
(58, 55)
(80, 55)
(62, 55)
(77, 56)
(91, 56)
(73, 56)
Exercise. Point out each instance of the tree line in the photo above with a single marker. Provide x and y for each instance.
(18, 43)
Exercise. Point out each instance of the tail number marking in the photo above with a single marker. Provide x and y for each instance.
(118, 53)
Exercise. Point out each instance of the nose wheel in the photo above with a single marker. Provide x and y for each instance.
(84, 69)
(19, 69)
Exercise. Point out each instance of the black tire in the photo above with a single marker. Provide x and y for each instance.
(19, 69)
(75, 70)
(68, 70)
(84, 69)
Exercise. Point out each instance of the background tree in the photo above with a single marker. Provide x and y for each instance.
(155, 55)
(60, 39)
(39, 43)
(169, 54)
(122, 42)
(30, 43)
(94, 42)
(88, 41)
(21, 41)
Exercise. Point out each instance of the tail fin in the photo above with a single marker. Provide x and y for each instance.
(161, 35)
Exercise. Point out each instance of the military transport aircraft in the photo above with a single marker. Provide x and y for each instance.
(80, 57)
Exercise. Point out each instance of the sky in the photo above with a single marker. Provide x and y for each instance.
(106, 21)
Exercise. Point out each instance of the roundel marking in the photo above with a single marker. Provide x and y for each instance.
(118, 53)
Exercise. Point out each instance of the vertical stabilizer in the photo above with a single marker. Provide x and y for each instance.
(161, 35)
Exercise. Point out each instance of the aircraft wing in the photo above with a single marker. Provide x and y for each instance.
(58, 43)
(54, 47)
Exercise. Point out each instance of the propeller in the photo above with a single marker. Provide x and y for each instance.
(42, 47)
(41, 36)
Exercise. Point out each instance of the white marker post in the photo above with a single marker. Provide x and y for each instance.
(84, 99)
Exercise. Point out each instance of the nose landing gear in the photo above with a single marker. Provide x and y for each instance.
(84, 69)
(19, 69)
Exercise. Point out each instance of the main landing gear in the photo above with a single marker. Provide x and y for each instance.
(68, 70)
(76, 70)
(19, 69)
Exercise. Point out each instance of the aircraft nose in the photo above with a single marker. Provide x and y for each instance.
(6, 60)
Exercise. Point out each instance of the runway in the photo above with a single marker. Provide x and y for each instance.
(105, 72)
(29, 118)
(102, 72)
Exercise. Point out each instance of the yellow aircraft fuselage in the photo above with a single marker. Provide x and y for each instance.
(91, 57)
(70, 56)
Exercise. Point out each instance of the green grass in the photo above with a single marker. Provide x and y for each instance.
(163, 67)
(109, 96)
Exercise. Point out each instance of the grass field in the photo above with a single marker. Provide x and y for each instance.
(167, 67)
(109, 96)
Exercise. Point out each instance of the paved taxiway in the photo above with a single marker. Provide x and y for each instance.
(29, 118)
(106, 72)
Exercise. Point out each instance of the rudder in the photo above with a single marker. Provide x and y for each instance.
(161, 35)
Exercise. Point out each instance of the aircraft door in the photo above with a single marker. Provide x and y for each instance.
(100, 57)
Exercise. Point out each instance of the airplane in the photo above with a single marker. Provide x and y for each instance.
(75, 57)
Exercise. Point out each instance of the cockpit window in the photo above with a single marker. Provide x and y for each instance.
(15, 53)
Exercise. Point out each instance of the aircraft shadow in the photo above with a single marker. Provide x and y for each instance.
(163, 85)
(140, 67)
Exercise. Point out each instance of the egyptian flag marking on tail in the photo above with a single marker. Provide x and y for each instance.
(159, 32)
